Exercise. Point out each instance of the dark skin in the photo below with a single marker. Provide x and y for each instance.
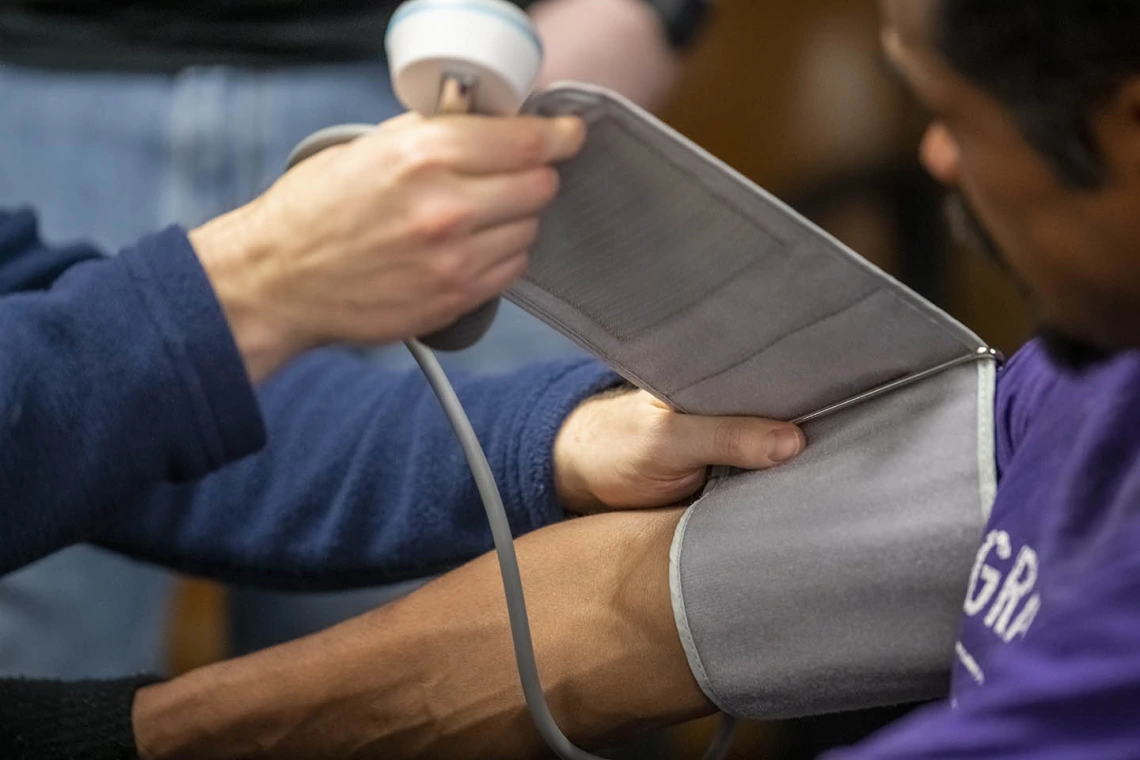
(1076, 252)
(433, 675)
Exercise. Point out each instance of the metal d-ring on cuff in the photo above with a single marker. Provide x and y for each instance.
(984, 353)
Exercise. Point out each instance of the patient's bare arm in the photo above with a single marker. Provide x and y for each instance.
(434, 676)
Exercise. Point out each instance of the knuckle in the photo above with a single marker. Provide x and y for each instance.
(437, 221)
(422, 152)
(546, 184)
(449, 271)
(657, 428)
(495, 282)
(407, 120)
(531, 145)
(513, 270)
(528, 232)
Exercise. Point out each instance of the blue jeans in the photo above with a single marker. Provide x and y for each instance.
(109, 157)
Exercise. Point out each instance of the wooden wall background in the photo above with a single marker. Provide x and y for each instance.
(792, 93)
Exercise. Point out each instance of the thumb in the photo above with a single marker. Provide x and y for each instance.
(749, 443)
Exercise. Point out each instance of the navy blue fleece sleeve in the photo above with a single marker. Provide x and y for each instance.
(119, 378)
(115, 374)
(362, 480)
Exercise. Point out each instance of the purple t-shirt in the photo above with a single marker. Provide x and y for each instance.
(1047, 662)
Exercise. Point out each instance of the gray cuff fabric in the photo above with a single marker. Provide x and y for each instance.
(707, 291)
(836, 582)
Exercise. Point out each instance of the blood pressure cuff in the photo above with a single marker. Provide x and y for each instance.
(835, 581)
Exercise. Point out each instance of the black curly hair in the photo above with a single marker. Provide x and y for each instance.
(1052, 62)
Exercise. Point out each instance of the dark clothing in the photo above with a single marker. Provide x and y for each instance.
(81, 720)
(1047, 661)
(120, 384)
(166, 35)
(121, 390)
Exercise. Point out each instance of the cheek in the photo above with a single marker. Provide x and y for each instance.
(1044, 235)
(1014, 211)
(999, 203)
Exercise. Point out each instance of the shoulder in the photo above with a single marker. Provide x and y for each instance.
(1035, 397)
(1024, 385)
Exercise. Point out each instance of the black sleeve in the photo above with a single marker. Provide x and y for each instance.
(682, 18)
(59, 720)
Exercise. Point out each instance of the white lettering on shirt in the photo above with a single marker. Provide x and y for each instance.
(1007, 595)
(969, 663)
(1017, 586)
(1025, 619)
(977, 600)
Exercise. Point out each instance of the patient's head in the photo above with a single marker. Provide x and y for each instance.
(1035, 108)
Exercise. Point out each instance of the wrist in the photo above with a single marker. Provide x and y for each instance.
(285, 702)
(204, 714)
(238, 257)
(572, 489)
(578, 436)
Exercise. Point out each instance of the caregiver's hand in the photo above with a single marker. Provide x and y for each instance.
(394, 235)
(627, 450)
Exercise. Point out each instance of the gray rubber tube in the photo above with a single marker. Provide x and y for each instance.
(496, 513)
(509, 568)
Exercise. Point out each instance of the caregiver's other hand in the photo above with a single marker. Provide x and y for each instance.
(625, 449)
(394, 235)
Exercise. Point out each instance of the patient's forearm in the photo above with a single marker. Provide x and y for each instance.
(434, 676)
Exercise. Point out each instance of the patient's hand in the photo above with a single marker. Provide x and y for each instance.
(627, 450)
